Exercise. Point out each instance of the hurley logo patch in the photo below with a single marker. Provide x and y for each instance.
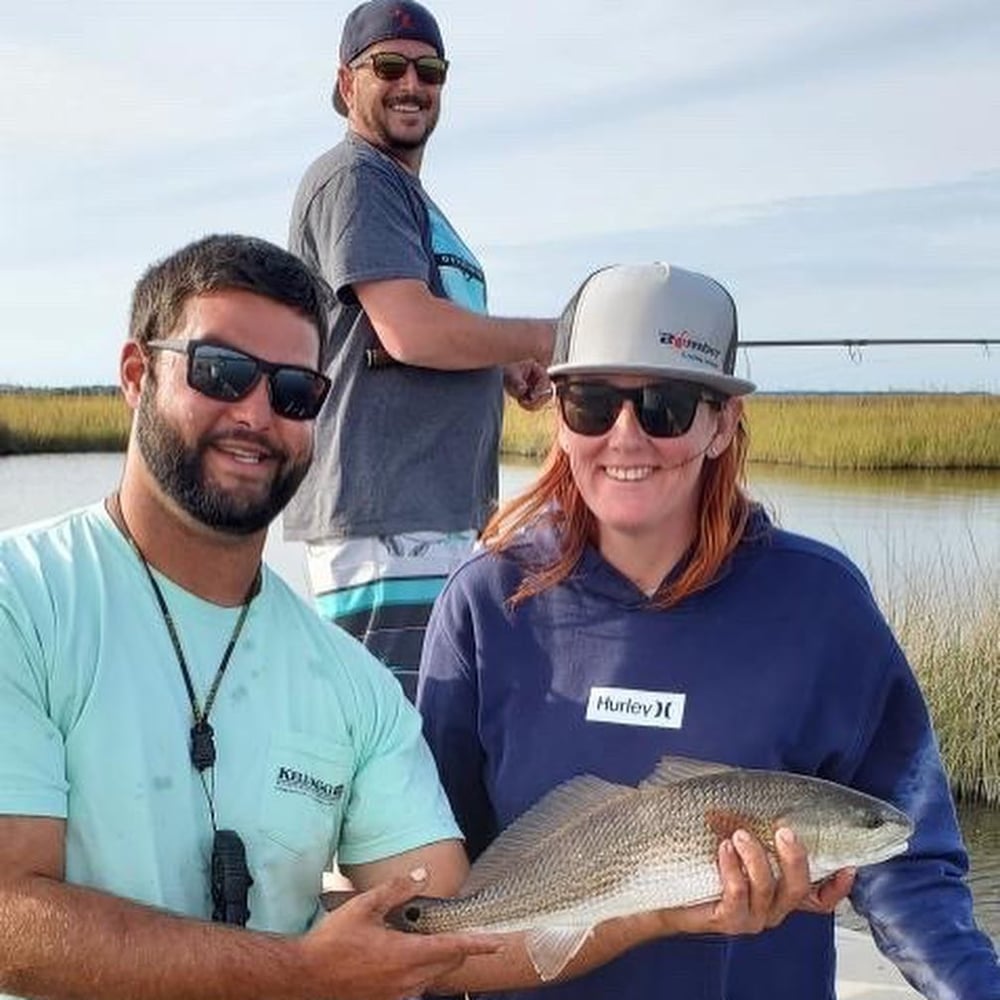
(629, 707)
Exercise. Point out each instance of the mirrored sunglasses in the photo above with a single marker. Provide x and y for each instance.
(393, 65)
(226, 374)
(664, 409)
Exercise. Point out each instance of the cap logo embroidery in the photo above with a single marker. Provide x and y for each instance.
(403, 18)
(684, 341)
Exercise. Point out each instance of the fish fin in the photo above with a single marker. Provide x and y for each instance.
(571, 802)
(551, 948)
(673, 770)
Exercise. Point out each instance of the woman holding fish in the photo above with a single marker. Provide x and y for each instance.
(634, 604)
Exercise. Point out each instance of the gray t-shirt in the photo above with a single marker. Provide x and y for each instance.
(398, 448)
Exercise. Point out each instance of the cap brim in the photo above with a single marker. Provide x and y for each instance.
(728, 385)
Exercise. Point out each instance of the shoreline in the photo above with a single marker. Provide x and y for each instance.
(851, 431)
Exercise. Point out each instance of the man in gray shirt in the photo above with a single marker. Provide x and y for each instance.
(406, 463)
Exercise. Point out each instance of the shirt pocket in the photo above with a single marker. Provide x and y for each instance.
(307, 784)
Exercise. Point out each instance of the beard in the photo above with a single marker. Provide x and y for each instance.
(179, 470)
(390, 138)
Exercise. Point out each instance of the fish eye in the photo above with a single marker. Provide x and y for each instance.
(412, 914)
(871, 820)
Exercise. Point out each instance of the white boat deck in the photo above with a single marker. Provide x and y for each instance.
(863, 973)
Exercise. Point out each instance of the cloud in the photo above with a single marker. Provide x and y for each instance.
(762, 128)
(878, 264)
(107, 79)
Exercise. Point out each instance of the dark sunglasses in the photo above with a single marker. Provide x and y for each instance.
(393, 66)
(664, 409)
(224, 373)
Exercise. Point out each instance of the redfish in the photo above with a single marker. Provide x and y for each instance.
(591, 850)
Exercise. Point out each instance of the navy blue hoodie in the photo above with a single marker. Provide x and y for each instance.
(784, 662)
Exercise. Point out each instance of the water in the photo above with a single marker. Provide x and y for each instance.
(33, 487)
(898, 527)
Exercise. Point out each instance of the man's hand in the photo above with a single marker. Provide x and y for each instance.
(369, 961)
(528, 383)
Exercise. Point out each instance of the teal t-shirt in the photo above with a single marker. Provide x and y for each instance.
(319, 753)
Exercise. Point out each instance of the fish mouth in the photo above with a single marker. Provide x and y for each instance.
(407, 916)
(889, 851)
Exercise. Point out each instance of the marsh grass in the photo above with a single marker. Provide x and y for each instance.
(35, 422)
(948, 622)
(933, 431)
(913, 431)
(891, 431)
(527, 434)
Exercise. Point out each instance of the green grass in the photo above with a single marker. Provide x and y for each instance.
(892, 431)
(527, 434)
(948, 623)
(35, 422)
(912, 431)
(905, 431)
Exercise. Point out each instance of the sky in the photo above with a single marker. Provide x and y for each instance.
(836, 163)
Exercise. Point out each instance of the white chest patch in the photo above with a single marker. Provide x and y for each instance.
(629, 707)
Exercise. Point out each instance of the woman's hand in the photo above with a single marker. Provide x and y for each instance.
(753, 897)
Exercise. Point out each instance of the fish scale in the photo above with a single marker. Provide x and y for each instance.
(605, 865)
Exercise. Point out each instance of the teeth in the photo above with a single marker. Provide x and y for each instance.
(629, 474)
(248, 457)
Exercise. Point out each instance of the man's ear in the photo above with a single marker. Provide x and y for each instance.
(345, 85)
(132, 372)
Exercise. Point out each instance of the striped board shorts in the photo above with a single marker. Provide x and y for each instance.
(381, 590)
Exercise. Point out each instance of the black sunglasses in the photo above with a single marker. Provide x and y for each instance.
(393, 66)
(224, 373)
(664, 409)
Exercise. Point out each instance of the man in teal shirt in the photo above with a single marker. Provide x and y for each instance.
(179, 733)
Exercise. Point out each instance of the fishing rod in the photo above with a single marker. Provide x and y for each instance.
(379, 357)
(854, 344)
(873, 342)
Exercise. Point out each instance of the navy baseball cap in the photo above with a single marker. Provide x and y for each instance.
(377, 20)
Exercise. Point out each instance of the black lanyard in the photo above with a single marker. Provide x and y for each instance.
(230, 878)
(202, 735)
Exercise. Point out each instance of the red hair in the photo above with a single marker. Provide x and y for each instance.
(722, 517)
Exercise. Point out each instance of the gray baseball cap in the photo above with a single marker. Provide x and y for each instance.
(651, 319)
